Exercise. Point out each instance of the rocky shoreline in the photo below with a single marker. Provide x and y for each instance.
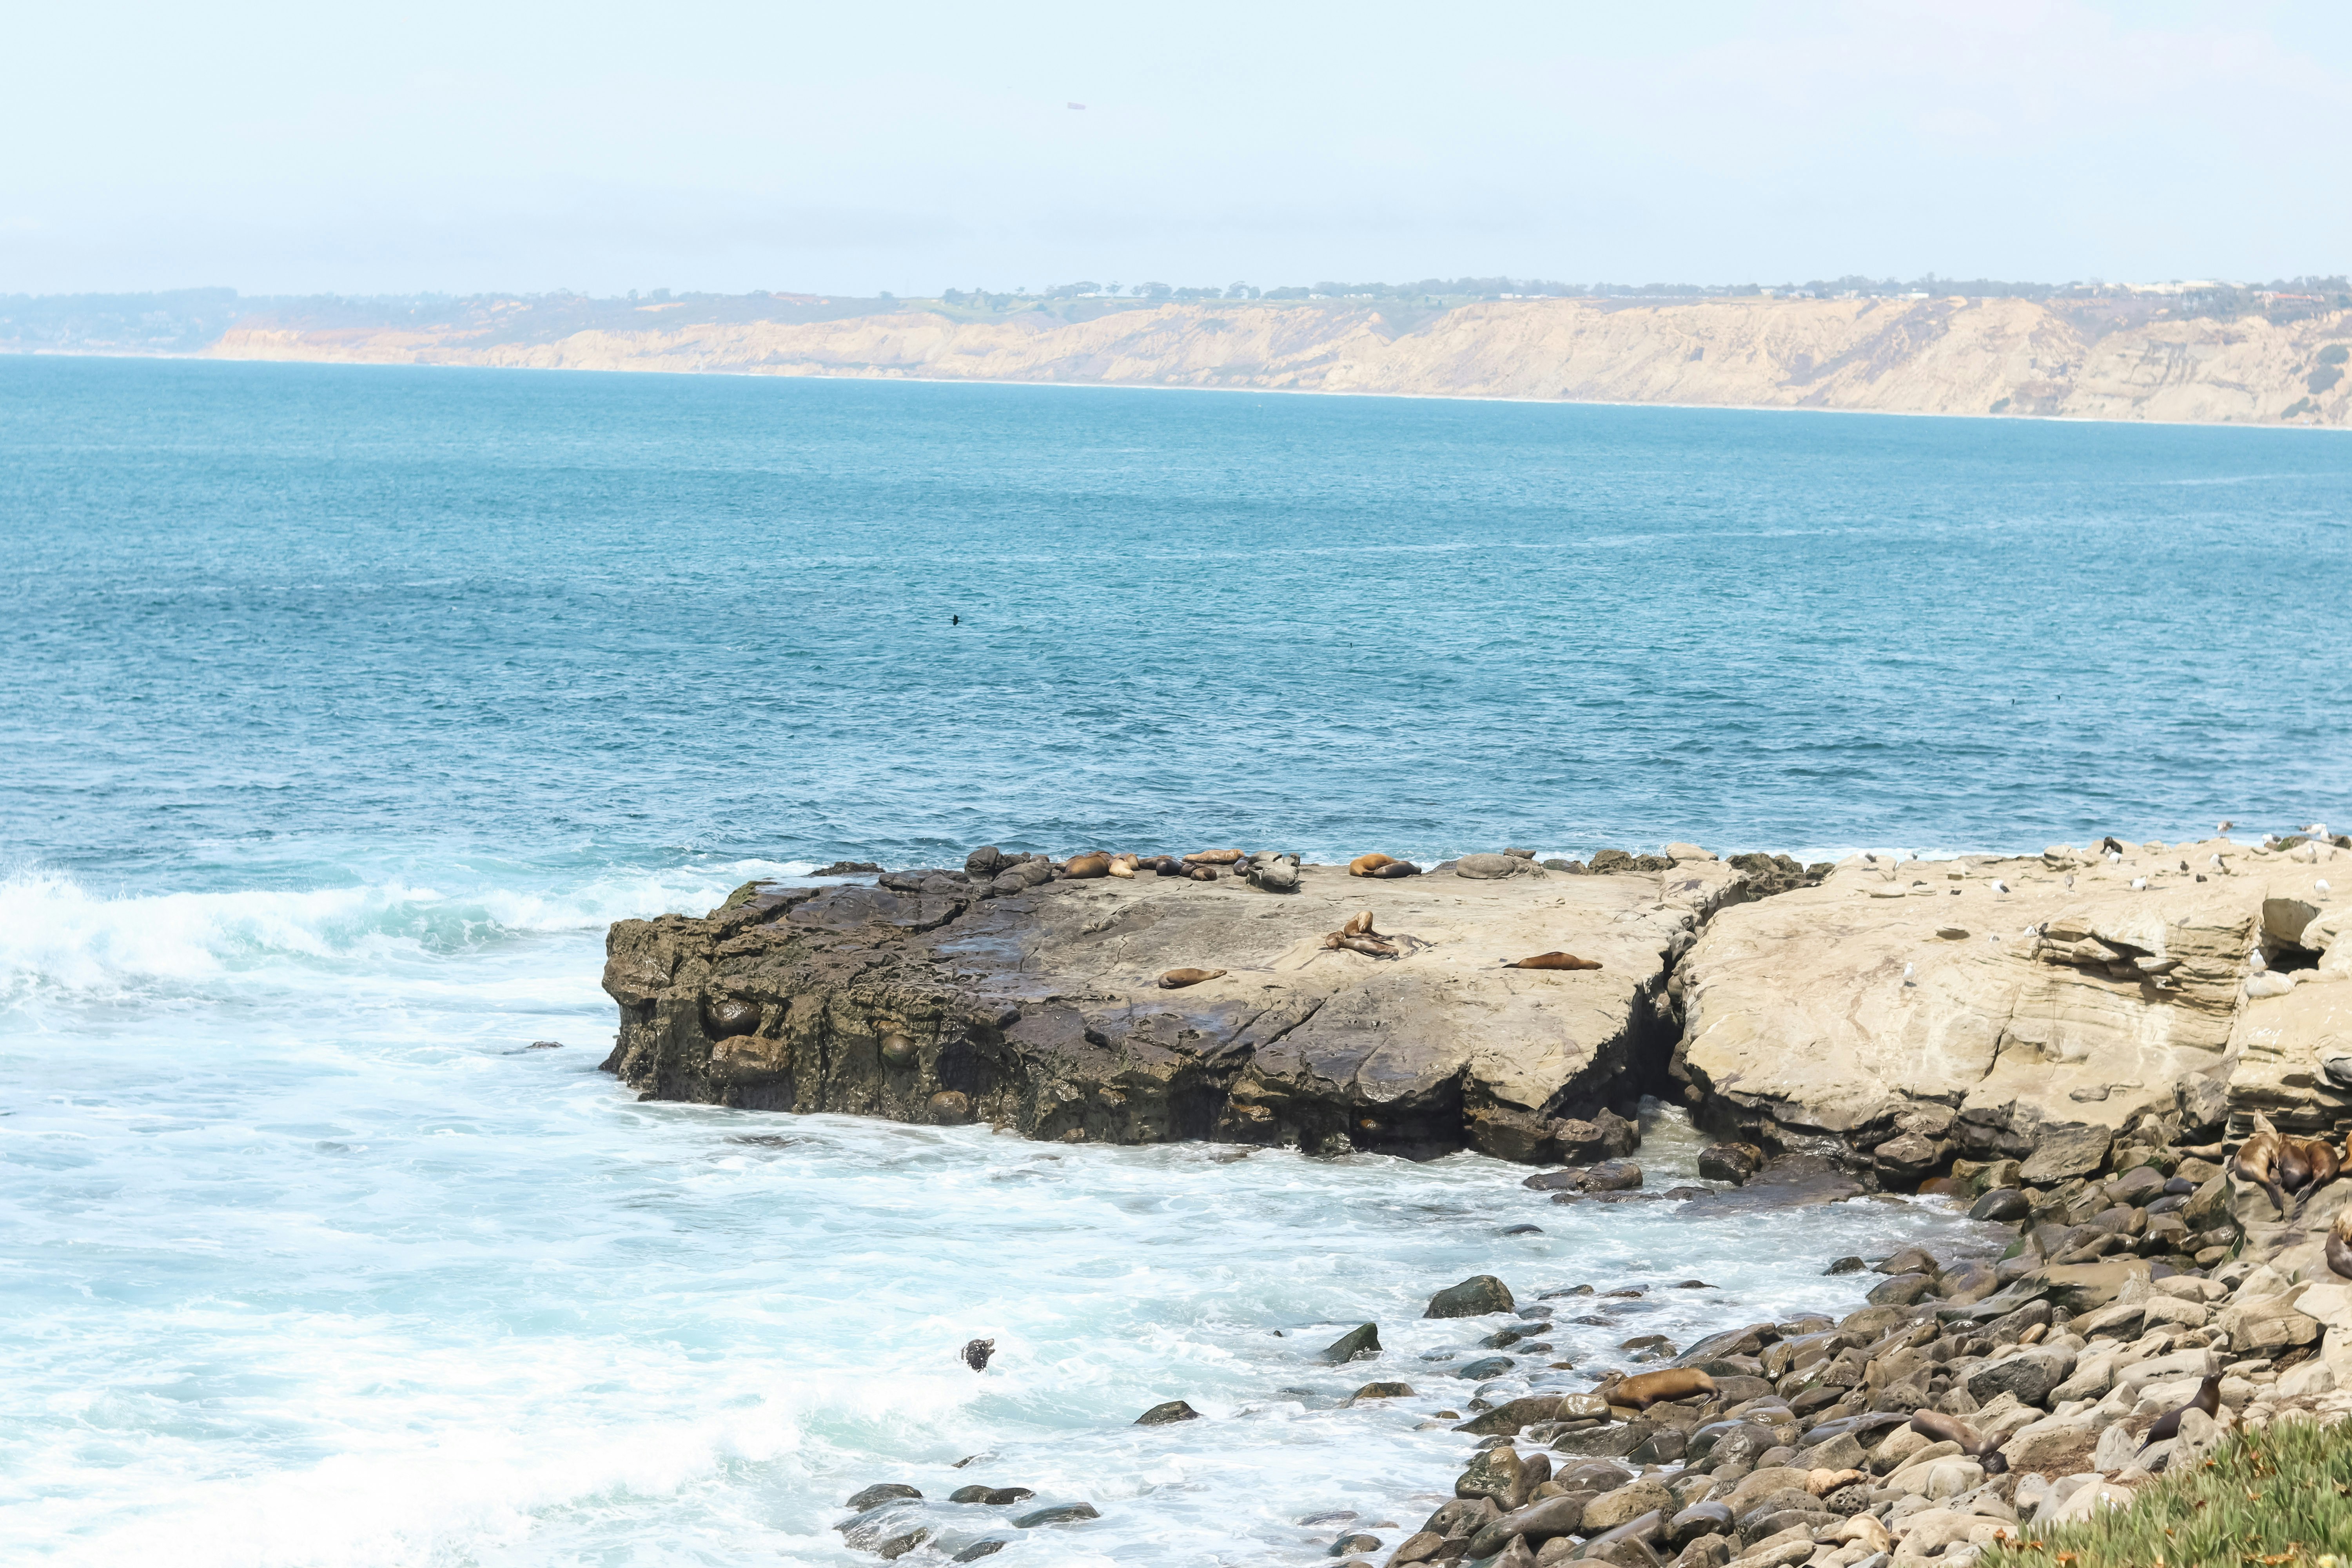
(2073, 1044)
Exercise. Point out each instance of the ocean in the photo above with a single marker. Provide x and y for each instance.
(342, 708)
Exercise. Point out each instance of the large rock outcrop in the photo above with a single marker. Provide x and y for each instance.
(1041, 1008)
(1992, 1007)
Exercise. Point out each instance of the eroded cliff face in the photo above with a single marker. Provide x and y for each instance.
(1932, 356)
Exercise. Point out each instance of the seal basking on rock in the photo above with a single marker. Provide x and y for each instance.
(1554, 960)
(1083, 866)
(1177, 979)
(2256, 1162)
(1939, 1427)
(1368, 865)
(1652, 1387)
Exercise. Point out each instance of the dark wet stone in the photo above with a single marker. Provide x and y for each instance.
(878, 1493)
(1489, 1366)
(980, 1548)
(1473, 1298)
(1161, 1415)
(1356, 1345)
(1063, 1513)
(1846, 1265)
(2000, 1204)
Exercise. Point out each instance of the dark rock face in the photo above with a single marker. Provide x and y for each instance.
(1734, 1162)
(1473, 1298)
(1356, 1343)
(1161, 1415)
(996, 995)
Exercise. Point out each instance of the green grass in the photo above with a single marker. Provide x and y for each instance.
(2281, 1499)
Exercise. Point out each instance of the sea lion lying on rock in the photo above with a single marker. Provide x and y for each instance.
(1083, 866)
(1554, 960)
(1368, 865)
(1939, 1427)
(2339, 1244)
(1650, 1388)
(1177, 979)
(1358, 936)
(2256, 1161)
(1214, 858)
(1122, 866)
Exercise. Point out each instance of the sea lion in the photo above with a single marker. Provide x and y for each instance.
(1939, 1427)
(1554, 960)
(1214, 858)
(1083, 866)
(1202, 873)
(1122, 866)
(2254, 1161)
(1169, 866)
(2207, 1398)
(1177, 979)
(1368, 865)
(2292, 1165)
(1359, 925)
(1650, 1387)
(1396, 868)
(976, 1353)
(1370, 946)
(2339, 1244)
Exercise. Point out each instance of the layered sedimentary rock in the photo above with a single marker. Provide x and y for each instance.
(1985, 1007)
(1926, 356)
(1041, 1008)
(2056, 1009)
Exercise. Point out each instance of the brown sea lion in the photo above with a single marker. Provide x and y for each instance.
(2256, 1161)
(2207, 1398)
(1169, 866)
(1370, 946)
(1202, 873)
(1359, 925)
(1214, 858)
(1939, 1427)
(1122, 866)
(1554, 960)
(1080, 867)
(1368, 865)
(1396, 868)
(2339, 1244)
(1650, 1387)
(1177, 979)
(2292, 1165)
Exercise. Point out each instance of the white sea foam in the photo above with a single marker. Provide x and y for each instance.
(313, 1262)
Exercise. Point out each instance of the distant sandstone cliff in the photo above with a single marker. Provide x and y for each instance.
(1912, 356)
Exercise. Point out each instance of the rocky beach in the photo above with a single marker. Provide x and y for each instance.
(2074, 1045)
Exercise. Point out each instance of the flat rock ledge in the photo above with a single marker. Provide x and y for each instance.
(1904, 1016)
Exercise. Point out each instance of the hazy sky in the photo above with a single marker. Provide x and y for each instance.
(434, 146)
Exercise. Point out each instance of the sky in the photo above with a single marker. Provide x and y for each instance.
(734, 147)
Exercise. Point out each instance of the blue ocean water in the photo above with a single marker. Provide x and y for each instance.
(340, 710)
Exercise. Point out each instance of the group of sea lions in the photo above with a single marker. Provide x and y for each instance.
(1200, 868)
(2280, 1165)
(1358, 936)
(1381, 866)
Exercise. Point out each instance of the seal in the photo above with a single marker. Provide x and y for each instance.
(1214, 858)
(1370, 946)
(1083, 866)
(2291, 1164)
(976, 1353)
(1651, 1387)
(2254, 1161)
(1177, 979)
(1168, 866)
(1555, 961)
(1359, 925)
(1396, 868)
(2207, 1398)
(1122, 866)
(1202, 873)
(1939, 1427)
(2339, 1244)
(1368, 865)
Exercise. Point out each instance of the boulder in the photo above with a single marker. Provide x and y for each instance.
(1734, 1162)
(1357, 1344)
(1493, 1474)
(2028, 1376)
(879, 1493)
(1474, 1297)
(2266, 1327)
(1163, 1414)
(1625, 1504)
